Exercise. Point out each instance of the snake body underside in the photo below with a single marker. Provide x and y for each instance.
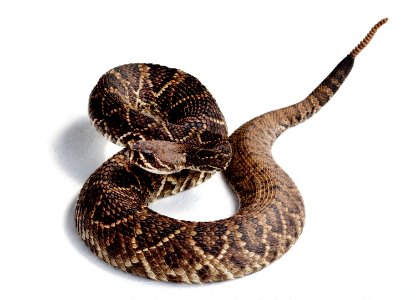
(174, 137)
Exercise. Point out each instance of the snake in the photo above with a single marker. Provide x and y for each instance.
(174, 137)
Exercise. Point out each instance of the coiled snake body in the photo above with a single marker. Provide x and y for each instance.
(175, 137)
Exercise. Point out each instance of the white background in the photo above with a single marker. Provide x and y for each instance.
(354, 162)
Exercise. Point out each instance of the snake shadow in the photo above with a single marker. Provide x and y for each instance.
(79, 149)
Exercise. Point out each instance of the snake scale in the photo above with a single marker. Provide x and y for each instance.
(174, 138)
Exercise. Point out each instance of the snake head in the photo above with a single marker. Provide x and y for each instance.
(165, 157)
(157, 156)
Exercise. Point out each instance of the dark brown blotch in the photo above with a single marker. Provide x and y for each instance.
(203, 273)
(171, 260)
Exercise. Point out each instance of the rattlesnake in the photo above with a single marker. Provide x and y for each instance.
(175, 137)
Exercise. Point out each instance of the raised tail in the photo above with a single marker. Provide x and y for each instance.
(368, 38)
(301, 111)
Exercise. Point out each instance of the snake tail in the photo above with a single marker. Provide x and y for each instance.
(368, 38)
(297, 113)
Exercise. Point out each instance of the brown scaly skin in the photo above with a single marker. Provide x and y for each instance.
(112, 216)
